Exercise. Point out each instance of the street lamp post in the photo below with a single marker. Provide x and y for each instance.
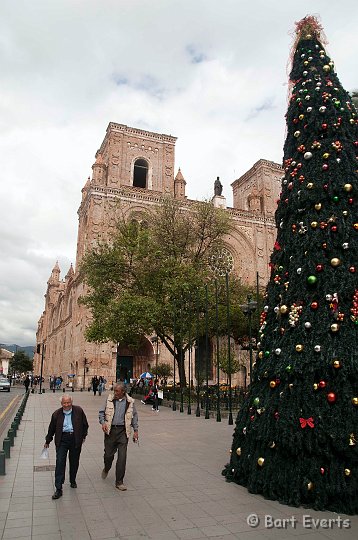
(248, 309)
(155, 340)
(228, 318)
(42, 364)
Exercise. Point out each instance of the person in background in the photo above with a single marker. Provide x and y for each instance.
(95, 383)
(101, 385)
(27, 383)
(155, 389)
(69, 426)
(117, 418)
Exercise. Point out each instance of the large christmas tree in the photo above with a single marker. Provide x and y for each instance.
(296, 437)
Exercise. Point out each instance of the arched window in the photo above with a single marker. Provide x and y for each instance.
(140, 173)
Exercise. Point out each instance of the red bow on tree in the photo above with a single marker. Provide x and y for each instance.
(307, 422)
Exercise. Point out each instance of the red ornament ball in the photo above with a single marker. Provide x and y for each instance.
(334, 228)
(324, 126)
(352, 269)
(314, 305)
(322, 384)
(319, 267)
(350, 200)
(277, 415)
(325, 167)
(322, 471)
(331, 397)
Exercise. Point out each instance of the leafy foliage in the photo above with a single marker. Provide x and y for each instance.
(20, 363)
(163, 370)
(229, 367)
(150, 279)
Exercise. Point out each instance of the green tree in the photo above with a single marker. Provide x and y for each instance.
(150, 278)
(20, 363)
(229, 368)
(163, 371)
(296, 435)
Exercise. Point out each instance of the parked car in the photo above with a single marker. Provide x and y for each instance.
(4, 384)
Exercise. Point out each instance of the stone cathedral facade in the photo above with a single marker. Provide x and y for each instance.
(137, 168)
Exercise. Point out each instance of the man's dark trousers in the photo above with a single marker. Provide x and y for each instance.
(67, 445)
(116, 440)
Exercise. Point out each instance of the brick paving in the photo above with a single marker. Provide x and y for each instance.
(175, 487)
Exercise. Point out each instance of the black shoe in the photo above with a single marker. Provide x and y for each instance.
(73, 484)
(57, 494)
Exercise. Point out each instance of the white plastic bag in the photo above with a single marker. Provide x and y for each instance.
(44, 453)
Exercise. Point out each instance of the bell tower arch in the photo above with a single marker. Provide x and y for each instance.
(137, 158)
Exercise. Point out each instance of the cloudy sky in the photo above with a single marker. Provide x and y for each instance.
(211, 72)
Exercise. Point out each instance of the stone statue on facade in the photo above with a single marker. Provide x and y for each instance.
(218, 187)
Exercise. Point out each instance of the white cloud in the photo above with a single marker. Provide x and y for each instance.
(211, 73)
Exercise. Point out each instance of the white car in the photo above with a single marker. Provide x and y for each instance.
(4, 384)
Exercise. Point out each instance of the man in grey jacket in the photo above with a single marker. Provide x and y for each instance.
(118, 418)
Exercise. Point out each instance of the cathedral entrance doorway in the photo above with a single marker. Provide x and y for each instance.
(124, 368)
(132, 362)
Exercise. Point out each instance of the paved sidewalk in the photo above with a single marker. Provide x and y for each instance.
(175, 487)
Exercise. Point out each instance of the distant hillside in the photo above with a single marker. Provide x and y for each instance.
(29, 349)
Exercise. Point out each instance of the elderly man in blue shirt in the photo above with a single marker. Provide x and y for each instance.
(118, 418)
(70, 427)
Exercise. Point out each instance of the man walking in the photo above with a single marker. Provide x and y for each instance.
(70, 427)
(27, 383)
(117, 418)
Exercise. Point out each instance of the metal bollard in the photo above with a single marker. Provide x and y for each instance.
(14, 428)
(73, 389)
(2, 463)
(6, 446)
(54, 390)
(63, 390)
(11, 436)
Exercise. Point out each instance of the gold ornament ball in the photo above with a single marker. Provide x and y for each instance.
(261, 461)
(348, 187)
(326, 68)
(336, 364)
(238, 451)
(272, 445)
(283, 309)
(310, 486)
(315, 386)
(272, 384)
(355, 401)
(314, 224)
(318, 206)
(345, 213)
(347, 472)
(310, 185)
(335, 261)
(299, 348)
(261, 354)
(355, 226)
(325, 155)
(334, 327)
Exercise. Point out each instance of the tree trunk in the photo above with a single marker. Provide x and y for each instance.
(180, 359)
